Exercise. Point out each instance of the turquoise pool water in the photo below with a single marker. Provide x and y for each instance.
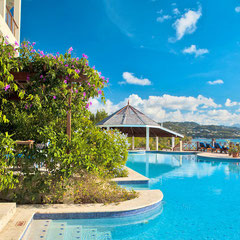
(201, 201)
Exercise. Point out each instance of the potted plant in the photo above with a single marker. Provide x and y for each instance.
(234, 150)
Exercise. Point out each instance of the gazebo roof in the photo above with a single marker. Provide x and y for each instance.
(131, 121)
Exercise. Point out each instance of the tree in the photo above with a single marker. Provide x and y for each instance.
(99, 116)
(38, 110)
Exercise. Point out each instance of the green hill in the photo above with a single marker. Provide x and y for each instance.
(195, 130)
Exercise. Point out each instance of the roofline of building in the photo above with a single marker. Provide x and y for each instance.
(144, 126)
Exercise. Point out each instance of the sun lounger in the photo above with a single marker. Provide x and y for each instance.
(210, 148)
(218, 147)
(202, 146)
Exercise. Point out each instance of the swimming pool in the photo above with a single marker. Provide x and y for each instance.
(201, 201)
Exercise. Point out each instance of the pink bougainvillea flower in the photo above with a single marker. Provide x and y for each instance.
(16, 44)
(41, 52)
(77, 58)
(86, 64)
(44, 79)
(54, 97)
(93, 67)
(66, 65)
(77, 70)
(76, 91)
(89, 84)
(54, 57)
(107, 80)
(33, 43)
(41, 76)
(84, 94)
(65, 81)
(57, 53)
(90, 103)
(7, 87)
(6, 36)
(99, 73)
(70, 50)
(87, 106)
(85, 56)
(103, 77)
(99, 92)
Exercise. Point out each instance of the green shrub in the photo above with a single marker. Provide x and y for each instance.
(40, 114)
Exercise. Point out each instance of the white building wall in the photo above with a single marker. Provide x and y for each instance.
(4, 28)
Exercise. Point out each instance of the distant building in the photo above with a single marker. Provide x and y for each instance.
(10, 20)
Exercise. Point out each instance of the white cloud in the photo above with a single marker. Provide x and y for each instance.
(187, 23)
(163, 18)
(162, 108)
(193, 50)
(237, 9)
(218, 81)
(229, 103)
(131, 79)
(176, 11)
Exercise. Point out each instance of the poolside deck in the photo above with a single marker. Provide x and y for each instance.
(217, 156)
(16, 227)
(132, 178)
(163, 151)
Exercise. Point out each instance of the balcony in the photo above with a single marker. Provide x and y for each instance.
(10, 16)
(11, 22)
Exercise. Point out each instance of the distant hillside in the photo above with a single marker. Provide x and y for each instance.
(196, 130)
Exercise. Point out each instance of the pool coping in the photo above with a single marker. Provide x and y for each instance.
(217, 156)
(147, 200)
(164, 152)
(132, 178)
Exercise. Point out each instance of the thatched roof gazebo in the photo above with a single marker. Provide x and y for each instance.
(134, 123)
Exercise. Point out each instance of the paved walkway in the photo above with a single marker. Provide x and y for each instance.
(24, 213)
(219, 156)
(132, 178)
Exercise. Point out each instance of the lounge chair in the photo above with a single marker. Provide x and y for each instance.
(202, 146)
(225, 149)
(210, 147)
(218, 147)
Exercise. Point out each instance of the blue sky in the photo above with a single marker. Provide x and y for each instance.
(175, 60)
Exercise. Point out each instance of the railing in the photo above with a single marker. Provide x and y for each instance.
(186, 146)
(190, 146)
(11, 22)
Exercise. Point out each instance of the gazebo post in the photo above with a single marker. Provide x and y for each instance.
(156, 143)
(173, 143)
(147, 139)
(181, 146)
(132, 142)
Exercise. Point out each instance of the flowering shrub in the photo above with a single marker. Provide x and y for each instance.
(37, 110)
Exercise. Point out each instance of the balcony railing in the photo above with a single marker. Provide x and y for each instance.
(11, 22)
